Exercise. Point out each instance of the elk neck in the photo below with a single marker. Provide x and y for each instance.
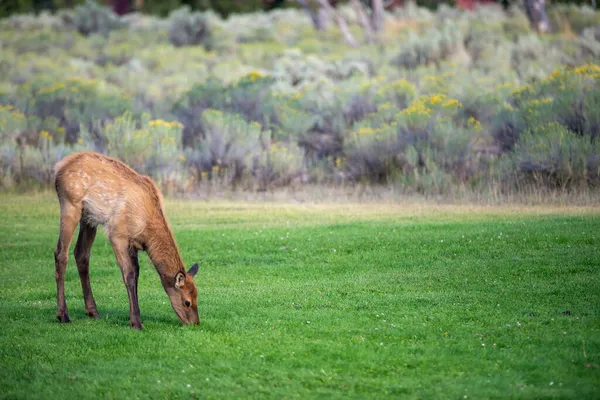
(162, 249)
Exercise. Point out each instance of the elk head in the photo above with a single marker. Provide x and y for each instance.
(184, 296)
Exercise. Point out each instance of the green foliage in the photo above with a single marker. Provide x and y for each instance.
(227, 147)
(189, 29)
(432, 47)
(249, 97)
(553, 156)
(568, 96)
(309, 92)
(151, 147)
(74, 102)
(574, 17)
(412, 146)
(92, 18)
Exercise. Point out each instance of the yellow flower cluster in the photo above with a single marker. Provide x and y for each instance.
(52, 88)
(46, 135)
(417, 108)
(522, 90)
(17, 115)
(452, 103)
(366, 131)
(167, 140)
(475, 124)
(591, 70)
(544, 100)
(254, 75)
(435, 99)
(162, 123)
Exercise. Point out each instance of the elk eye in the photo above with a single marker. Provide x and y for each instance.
(187, 303)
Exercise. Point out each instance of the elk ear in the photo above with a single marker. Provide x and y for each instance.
(179, 280)
(193, 270)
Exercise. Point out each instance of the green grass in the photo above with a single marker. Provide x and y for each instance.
(330, 301)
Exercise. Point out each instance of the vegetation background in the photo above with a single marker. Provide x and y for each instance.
(486, 102)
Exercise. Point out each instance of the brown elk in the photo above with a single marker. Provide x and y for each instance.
(96, 190)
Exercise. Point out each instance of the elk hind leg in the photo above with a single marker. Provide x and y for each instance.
(69, 217)
(87, 234)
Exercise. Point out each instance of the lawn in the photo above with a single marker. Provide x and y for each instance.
(321, 300)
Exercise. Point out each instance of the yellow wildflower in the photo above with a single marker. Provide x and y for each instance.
(363, 131)
(452, 103)
(254, 75)
(436, 99)
(475, 124)
(46, 135)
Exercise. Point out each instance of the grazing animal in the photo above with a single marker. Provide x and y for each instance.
(96, 190)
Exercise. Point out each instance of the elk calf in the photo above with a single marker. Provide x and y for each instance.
(96, 190)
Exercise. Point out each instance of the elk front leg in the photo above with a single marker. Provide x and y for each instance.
(87, 234)
(130, 271)
(69, 217)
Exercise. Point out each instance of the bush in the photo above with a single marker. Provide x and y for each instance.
(432, 47)
(570, 97)
(555, 157)
(151, 147)
(74, 102)
(250, 97)
(189, 29)
(573, 17)
(278, 164)
(227, 147)
(92, 18)
(413, 146)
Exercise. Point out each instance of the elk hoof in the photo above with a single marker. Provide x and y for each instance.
(63, 318)
(93, 314)
(136, 325)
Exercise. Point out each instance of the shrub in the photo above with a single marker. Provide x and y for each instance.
(555, 157)
(151, 147)
(432, 47)
(278, 164)
(569, 96)
(250, 97)
(227, 146)
(574, 17)
(189, 28)
(92, 18)
(75, 102)
(420, 145)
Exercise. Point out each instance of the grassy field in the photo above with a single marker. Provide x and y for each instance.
(322, 300)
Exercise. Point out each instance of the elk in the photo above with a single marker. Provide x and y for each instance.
(96, 190)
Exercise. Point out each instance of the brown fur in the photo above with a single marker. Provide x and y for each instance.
(96, 190)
